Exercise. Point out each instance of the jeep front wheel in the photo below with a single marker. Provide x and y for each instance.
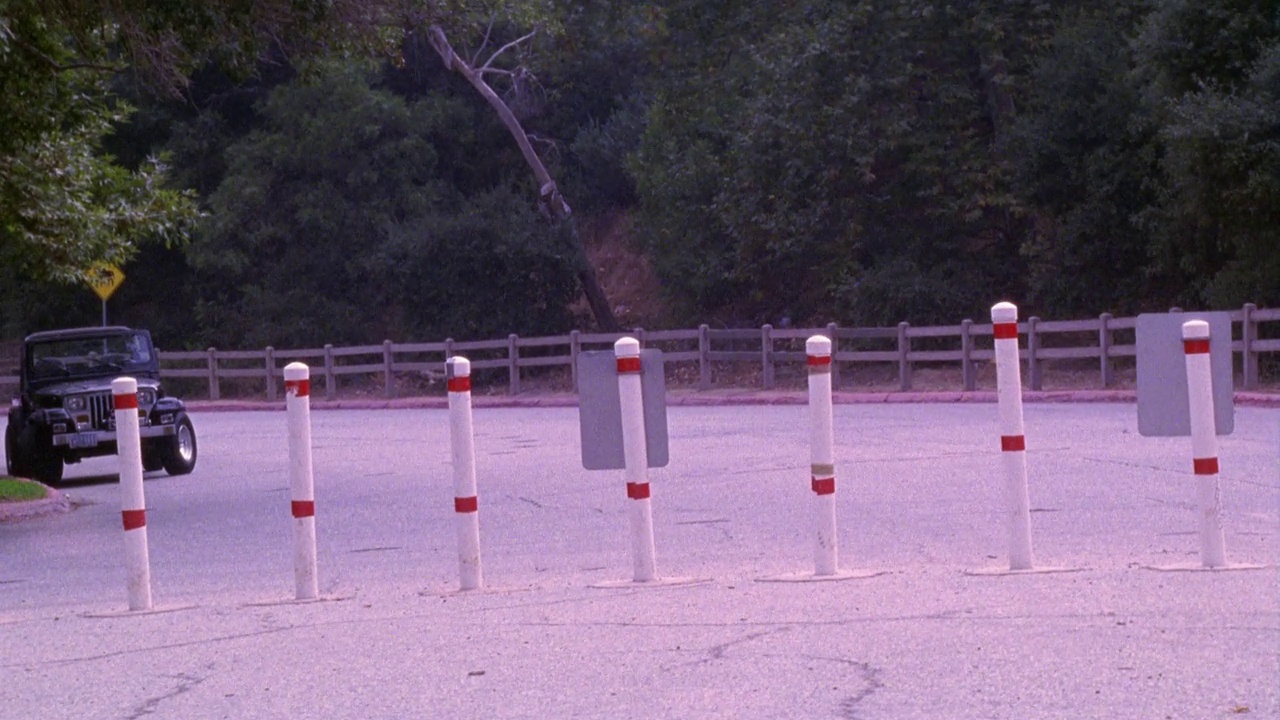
(180, 452)
(15, 456)
(153, 454)
(34, 459)
(48, 468)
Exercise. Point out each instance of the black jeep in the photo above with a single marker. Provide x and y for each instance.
(64, 410)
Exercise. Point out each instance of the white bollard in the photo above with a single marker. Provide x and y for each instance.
(297, 388)
(465, 501)
(822, 455)
(133, 502)
(636, 457)
(1013, 446)
(1204, 442)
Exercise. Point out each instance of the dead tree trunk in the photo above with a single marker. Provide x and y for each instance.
(549, 194)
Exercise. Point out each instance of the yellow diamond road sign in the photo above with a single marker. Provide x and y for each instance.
(104, 278)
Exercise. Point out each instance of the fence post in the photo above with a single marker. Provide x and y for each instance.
(966, 355)
(1034, 369)
(388, 377)
(215, 391)
(835, 352)
(575, 347)
(766, 355)
(271, 373)
(513, 364)
(330, 379)
(904, 350)
(1249, 358)
(704, 357)
(448, 353)
(1104, 348)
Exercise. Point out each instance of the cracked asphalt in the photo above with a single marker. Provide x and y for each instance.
(919, 497)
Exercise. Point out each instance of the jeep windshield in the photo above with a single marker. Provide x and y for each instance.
(88, 356)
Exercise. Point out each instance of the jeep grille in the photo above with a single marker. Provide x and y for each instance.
(102, 411)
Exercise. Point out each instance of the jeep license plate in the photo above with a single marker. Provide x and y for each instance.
(84, 440)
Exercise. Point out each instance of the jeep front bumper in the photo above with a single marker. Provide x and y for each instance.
(94, 438)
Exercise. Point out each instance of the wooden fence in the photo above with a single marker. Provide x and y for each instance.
(1104, 339)
(769, 350)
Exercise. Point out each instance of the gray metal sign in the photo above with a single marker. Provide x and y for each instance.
(600, 410)
(1163, 409)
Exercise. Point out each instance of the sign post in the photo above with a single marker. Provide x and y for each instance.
(1163, 402)
(104, 278)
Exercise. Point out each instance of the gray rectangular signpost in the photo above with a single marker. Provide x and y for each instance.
(1163, 407)
(600, 410)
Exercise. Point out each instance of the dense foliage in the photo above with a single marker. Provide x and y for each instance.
(905, 159)
(864, 162)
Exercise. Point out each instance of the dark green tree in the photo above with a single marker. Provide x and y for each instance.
(65, 202)
(1086, 164)
(336, 222)
(833, 161)
(1211, 81)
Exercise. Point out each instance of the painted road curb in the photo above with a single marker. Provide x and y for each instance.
(54, 501)
(718, 398)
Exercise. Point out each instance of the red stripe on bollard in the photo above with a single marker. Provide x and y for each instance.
(1196, 347)
(466, 504)
(299, 388)
(1013, 443)
(459, 384)
(638, 491)
(825, 486)
(1005, 331)
(628, 365)
(303, 508)
(819, 359)
(126, 402)
(134, 519)
(1206, 466)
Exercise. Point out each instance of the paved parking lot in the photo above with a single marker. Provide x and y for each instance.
(919, 497)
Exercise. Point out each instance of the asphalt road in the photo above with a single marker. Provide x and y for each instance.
(919, 498)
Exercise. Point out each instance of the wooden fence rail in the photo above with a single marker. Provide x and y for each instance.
(967, 344)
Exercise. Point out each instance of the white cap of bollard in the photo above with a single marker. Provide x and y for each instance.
(1004, 312)
(296, 371)
(627, 347)
(818, 345)
(1195, 330)
(457, 366)
(124, 386)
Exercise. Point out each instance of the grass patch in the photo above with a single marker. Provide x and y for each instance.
(12, 490)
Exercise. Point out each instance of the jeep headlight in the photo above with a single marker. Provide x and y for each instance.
(146, 397)
(74, 403)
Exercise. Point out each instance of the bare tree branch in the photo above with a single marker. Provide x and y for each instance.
(454, 62)
(506, 47)
(475, 56)
(550, 201)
